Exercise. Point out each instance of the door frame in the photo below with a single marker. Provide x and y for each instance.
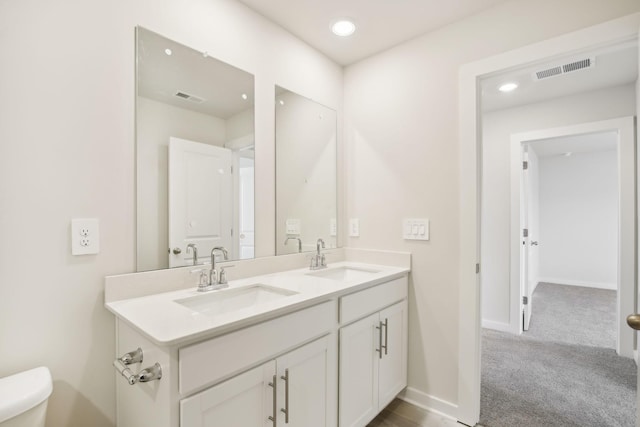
(625, 151)
(613, 32)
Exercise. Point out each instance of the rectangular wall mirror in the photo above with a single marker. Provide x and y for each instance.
(305, 173)
(194, 154)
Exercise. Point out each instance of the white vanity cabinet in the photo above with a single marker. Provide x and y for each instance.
(335, 359)
(291, 390)
(373, 351)
(228, 380)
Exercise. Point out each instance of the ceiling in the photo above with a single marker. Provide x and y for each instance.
(380, 24)
(614, 66)
(219, 85)
(556, 147)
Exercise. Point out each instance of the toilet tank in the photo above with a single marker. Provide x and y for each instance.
(23, 398)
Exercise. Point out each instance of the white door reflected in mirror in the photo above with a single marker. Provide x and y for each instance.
(200, 199)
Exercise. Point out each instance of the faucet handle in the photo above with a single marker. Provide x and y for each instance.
(203, 281)
(223, 274)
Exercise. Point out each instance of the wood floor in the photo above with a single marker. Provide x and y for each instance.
(402, 414)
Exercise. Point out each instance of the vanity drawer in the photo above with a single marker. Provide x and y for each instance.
(360, 304)
(207, 362)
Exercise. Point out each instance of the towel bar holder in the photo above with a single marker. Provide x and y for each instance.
(122, 363)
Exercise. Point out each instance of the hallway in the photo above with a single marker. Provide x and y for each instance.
(559, 373)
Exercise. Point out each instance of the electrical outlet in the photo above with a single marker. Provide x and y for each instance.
(354, 227)
(85, 236)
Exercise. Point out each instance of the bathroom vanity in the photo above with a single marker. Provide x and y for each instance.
(295, 348)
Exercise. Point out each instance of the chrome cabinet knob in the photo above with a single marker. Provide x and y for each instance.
(177, 251)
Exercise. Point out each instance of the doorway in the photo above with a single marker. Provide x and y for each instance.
(608, 34)
(580, 249)
(569, 204)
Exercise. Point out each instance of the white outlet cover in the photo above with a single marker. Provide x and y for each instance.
(354, 227)
(85, 236)
(293, 226)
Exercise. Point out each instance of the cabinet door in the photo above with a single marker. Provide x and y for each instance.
(243, 401)
(393, 365)
(358, 391)
(302, 386)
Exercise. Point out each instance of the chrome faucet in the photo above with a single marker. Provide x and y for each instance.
(209, 279)
(318, 261)
(195, 252)
(213, 273)
(299, 242)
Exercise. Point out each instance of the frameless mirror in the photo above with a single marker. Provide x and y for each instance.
(305, 173)
(194, 155)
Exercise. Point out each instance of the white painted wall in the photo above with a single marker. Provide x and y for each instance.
(497, 129)
(67, 132)
(401, 160)
(579, 219)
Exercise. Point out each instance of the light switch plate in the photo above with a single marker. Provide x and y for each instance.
(354, 227)
(415, 229)
(85, 236)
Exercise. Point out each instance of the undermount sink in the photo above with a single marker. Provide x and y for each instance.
(229, 300)
(344, 274)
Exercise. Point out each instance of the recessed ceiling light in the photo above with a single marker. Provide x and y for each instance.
(168, 51)
(508, 87)
(343, 28)
(244, 96)
(281, 102)
(567, 154)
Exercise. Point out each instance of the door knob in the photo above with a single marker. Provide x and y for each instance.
(177, 251)
(633, 320)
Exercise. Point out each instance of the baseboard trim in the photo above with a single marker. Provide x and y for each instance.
(429, 403)
(597, 285)
(496, 326)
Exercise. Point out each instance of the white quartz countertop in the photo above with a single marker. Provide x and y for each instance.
(167, 323)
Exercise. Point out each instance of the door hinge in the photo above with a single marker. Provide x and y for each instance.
(232, 232)
(477, 268)
(525, 300)
(231, 170)
(525, 232)
(525, 165)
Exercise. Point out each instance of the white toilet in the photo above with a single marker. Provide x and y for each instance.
(23, 398)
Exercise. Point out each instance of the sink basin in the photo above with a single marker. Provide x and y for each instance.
(344, 274)
(225, 301)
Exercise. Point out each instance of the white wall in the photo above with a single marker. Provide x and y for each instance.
(401, 160)
(156, 123)
(497, 129)
(67, 132)
(579, 219)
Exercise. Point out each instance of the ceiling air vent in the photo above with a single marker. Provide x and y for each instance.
(548, 73)
(578, 65)
(558, 70)
(189, 97)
